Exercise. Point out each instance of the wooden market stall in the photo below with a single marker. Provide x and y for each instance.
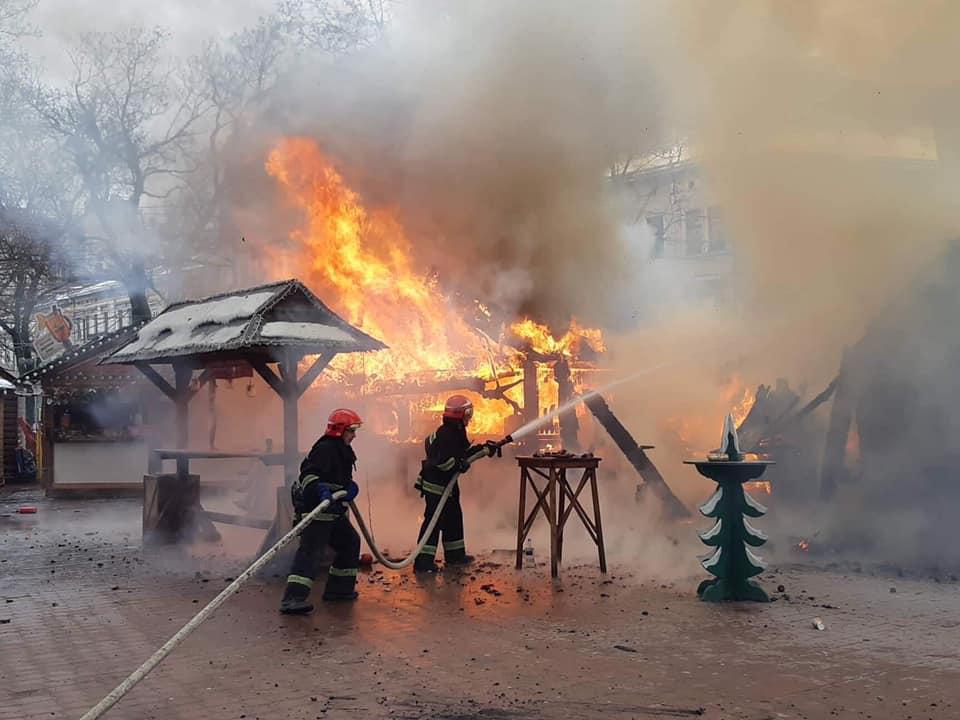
(9, 432)
(94, 420)
(270, 328)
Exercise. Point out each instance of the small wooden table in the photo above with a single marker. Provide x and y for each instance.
(557, 510)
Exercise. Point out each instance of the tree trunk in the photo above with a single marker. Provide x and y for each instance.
(23, 351)
(136, 283)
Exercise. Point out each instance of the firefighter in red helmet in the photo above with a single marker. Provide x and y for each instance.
(327, 469)
(446, 453)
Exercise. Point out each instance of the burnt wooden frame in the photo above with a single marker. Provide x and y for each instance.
(558, 509)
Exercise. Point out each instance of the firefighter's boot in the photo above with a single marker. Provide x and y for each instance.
(295, 600)
(460, 560)
(424, 564)
(341, 582)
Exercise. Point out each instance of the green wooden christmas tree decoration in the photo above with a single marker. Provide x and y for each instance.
(731, 562)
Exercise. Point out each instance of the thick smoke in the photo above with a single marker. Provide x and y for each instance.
(827, 132)
(819, 125)
(491, 126)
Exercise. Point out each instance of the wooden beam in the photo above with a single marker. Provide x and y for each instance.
(832, 469)
(304, 383)
(157, 379)
(183, 374)
(241, 520)
(635, 454)
(269, 376)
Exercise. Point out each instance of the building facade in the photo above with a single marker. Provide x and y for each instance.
(668, 199)
(93, 310)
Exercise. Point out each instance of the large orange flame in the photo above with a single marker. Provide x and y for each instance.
(363, 264)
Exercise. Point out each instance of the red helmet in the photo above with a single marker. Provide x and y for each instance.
(342, 419)
(458, 407)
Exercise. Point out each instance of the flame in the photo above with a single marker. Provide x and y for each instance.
(363, 264)
(542, 341)
(742, 400)
(803, 545)
(695, 433)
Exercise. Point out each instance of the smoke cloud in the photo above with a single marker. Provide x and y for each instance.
(491, 127)
(826, 130)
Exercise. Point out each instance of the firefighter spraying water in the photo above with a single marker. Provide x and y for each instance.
(447, 455)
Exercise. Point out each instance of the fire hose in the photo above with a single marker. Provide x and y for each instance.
(401, 564)
(141, 672)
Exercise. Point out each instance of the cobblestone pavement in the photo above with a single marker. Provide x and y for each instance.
(81, 605)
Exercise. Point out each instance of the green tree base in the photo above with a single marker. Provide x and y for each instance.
(722, 590)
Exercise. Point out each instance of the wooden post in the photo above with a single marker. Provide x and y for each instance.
(531, 391)
(46, 442)
(291, 421)
(835, 449)
(183, 374)
(569, 425)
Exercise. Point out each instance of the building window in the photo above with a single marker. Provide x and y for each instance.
(696, 237)
(717, 231)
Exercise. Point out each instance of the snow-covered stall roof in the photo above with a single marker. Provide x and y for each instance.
(259, 319)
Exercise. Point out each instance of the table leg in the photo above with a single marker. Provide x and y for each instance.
(562, 479)
(522, 519)
(554, 567)
(597, 522)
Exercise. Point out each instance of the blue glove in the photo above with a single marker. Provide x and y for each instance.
(352, 491)
(323, 493)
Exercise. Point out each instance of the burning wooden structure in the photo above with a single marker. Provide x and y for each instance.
(271, 329)
(892, 426)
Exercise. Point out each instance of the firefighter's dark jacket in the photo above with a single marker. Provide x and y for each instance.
(329, 464)
(446, 450)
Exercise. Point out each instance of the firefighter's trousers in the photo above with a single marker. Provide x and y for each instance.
(338, 533)
(450, 526)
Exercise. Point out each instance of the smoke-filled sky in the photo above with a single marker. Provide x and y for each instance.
(190, 23)
(491, 126)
